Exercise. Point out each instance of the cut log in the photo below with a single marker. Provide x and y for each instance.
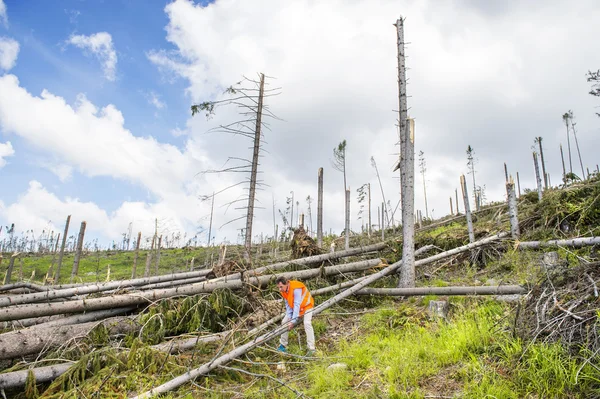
(241, 350)
(77, 306)
(16, 379)
(418, 291)
(35, 340)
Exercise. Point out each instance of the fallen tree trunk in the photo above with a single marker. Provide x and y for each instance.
(305, 261)
(573, 243)
(92, 288)
(59, 320)
(214, 363)
(35, 340)
(125, 300)
(22, 284)
(475, 290)
(15, 379)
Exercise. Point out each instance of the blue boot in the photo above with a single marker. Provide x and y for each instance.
(282, 349)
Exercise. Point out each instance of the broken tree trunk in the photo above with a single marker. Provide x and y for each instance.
(84, 305)
(418, 291)
(149, 257)
(136, 255)
(157, 262)
(35, 340)
(16, 379)
(62, 251)
(78, 251)
(60, 320)
(241, 350)
(537, 175)
(463, 185)
(573, 243)
(513, 210)
(11, 265)
(347, 229)
(320, 210)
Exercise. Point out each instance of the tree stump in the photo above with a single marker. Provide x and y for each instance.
(438, 309)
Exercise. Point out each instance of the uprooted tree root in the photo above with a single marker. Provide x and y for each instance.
(303, 245)
(564, 307)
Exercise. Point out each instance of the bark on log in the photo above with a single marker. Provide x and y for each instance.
(214, 363)
(418, 291)
(573, 243)
(92, 288)
(305, 261)
(76, 306)
(16, 379)
(35, 340)
(59, 320)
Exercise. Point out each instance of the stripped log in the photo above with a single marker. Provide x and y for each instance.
(77, 306)
(243, 349)
(573, 243)
(60, 320)
(92, 288)
(35, 340)
(305, 261)
(16, 379)
(418, 291)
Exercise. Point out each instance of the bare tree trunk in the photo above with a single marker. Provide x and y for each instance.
(562, 157)
(320, 210)
(513, 210)
(543, 163)
(136, 255)
(457, 203)
(62, 251)
(11, 264)
(301, 224)
(212, 208)
(475, 290)
(157, 262)
(505, 172)
(569, 148)
(578, 152)
(253, 175)
(537, 175)
(149, 257)
(369, 192)
(451, 210)
(574, 243)
(519, 184)
(16, 379)
(383, 213)
(127, 300)
(241, 350)
(347, 246)
(463, 185)
(78, 251)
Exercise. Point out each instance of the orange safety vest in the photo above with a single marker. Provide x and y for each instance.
(307, 301)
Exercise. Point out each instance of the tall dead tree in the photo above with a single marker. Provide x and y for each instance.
(512, 209)
(562, 158)
(339, 164)
(538, 140)
(518, 184)
(566, 118)
(320, 209)
(451, 210)
(423, 169)
(62, 250)
(463, 185)
(537, 175)
(384, 220)
(136, 254)
(347, 229)
(407, 169)
(471, 160)
(457, 207)
(577, 146)
(250, 102)
(369, 208)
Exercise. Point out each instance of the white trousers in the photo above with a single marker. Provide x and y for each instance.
(308, 329)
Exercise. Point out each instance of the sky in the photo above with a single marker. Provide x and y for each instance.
(95, 99)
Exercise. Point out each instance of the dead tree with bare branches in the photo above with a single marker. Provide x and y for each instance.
(248, 96)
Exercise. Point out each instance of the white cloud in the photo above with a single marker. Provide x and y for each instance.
(6, 150)
(101, 45)
(9, 51)
(3, 16)
(154, 100)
